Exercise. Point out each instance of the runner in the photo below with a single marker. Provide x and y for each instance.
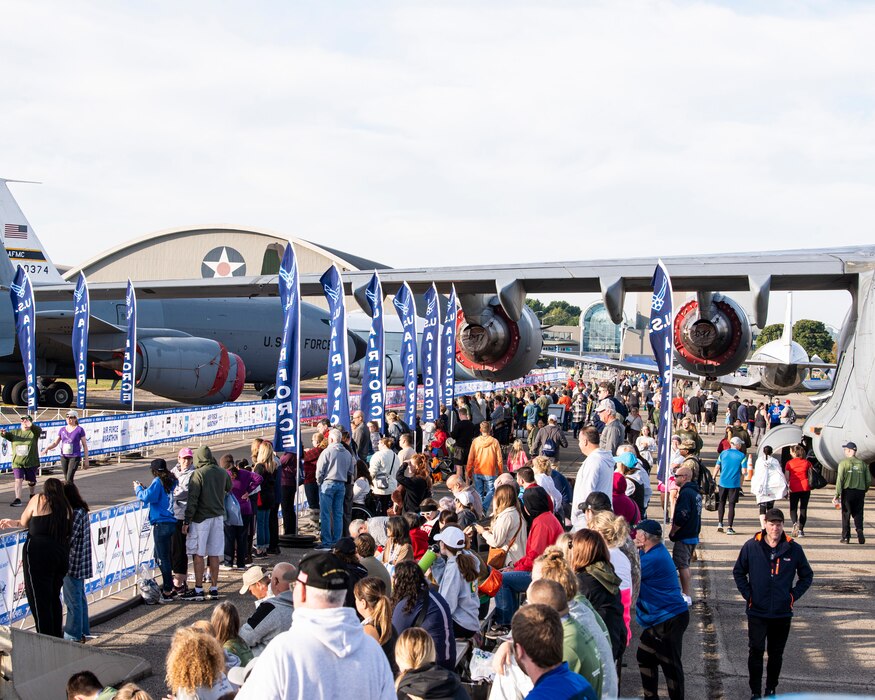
(74, 446)
(25, 460)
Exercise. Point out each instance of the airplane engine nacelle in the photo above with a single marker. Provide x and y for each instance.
(492, 346)
(714, 345)
(190, 370)
(392, 367)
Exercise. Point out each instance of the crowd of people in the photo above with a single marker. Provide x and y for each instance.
(393, 603)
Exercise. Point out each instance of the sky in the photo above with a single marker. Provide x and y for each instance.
(422, 134)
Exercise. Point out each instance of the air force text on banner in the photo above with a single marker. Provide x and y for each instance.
(288, 394)
(338, 360)
(660, 331)
(374, 365)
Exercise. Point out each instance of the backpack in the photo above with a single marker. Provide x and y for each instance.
(791, 415)
(707, 485)
(549, 448)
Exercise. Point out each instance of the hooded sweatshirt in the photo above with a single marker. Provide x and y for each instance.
(601, 586)
(326, 655)
(272, 616)
(207, 488)
(431, 682)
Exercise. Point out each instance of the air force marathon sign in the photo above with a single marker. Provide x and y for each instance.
(223, 262)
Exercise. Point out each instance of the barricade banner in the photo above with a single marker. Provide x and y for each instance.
(25, 328)
(374, 367)
(129, 361)
(660, 331)
(132, 431)
(81, 316)
(121, 541)
(288, 388)
(448, 354)
(406, 308)
(430, 359)
(338, 358)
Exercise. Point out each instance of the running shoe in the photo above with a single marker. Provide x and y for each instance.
(861, 538)
(192, 594)
(795, 531)
(720, 527)
(224, 566)
(167, 597)
(730, 531)
(213, 594)
(16, 503)
(497, 631)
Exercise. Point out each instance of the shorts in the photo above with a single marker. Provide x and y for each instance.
(682, 554)
(26, 473)
(206, 539)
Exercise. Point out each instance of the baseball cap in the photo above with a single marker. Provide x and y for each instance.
(27, 417)
(185, 452)
(72, 414)
(627, 458)
(323, 570)
(159, 465)
(252, 575)
(606, 405)
(452, 537)
(345, 545)
(238, 674)
(688, 444)
(551, 418)
(774, 514)
(651, 527)
(596, 501)
(464, 498)
(850, 446)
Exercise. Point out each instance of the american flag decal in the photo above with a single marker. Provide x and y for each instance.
(15, 231)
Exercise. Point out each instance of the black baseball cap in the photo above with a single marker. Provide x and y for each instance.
(159, 465)
(850, 446)
(345, 545)
(596, 501)
(774, 514)
(323, 570)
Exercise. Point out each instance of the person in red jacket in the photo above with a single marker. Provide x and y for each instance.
(544, 531)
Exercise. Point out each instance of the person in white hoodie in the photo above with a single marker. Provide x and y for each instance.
(326, 654)
(457, 582)
(768, 483)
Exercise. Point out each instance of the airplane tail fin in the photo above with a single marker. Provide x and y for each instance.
(21, 245)
(787, 335)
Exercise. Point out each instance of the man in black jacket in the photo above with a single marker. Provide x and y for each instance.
(685, 528)
(767, 568)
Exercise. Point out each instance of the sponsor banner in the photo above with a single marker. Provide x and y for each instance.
(129, 361)
(448, 354)
(430, 358)
(81, 315)
(288, 388)
(132, 431)
(121, 541)
(25, 328)
(660, 331)
(373, 397)
(406, 308)
(338, 360)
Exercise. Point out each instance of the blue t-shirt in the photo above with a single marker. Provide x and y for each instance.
(531, 412)
(730, 462)
(562, 684)
(775, 413)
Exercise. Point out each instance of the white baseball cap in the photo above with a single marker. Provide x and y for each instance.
(452, 537)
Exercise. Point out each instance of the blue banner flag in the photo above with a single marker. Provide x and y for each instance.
(129, 361)
(660, 331)
(81, 316)
(338, 360)
(374, 364)
(431, 357)
(25, 328)
(406, 308)
(287, 436)
(448, 354)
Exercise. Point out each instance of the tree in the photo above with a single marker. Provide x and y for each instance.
(536, 306)
(813, 336)
(556, 313)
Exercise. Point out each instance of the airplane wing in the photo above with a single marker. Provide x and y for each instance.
(823, 385)
(625, 365)
(803, 365)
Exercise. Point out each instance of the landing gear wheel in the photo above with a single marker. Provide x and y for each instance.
(7, 392)
(297, 541)
(59, 394)
(19, 393)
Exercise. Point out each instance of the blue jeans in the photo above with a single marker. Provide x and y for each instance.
(331, 494)
(485, 486)
(76, 625)
(507, 600)
(162, 533)
(262, 528)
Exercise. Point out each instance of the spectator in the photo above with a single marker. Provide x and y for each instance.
(361, 488)
(345, 551)
(334, 468)
(613, 434)
(768, 483)
(360, 438)
(463, 434)
(196, 666)
(662, 613)
(621, 504)
(420, 677)
(85, 686)
(595, 474)
(516, 456)
(852, 482)
(131, 691)
(311, 457)
(325, 648)
(508, 530)
(767, 567)
(375, 609)
(384, 469)
(245, 486)
(800, 489)
(416, 605)
(366, 548)
(267, 457)
(685, 528)
(485, 464)
(226, 625)
(288, 469)
(457, 486)
(182, 472)
(728, 477)
(465, 514)
(273, 613)
(76, 626)
(549, 439)
(591, 562)
(418, 538)
(405, 442)
(537, 642)
(624, 558)
(456, 582)
(542, 468)
(398, 545)
(161, 518)
(417, 486)
(204, 516)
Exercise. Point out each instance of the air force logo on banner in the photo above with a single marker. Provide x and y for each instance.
(429, 309)
(223, 262)
(371, 294)
(18, 289)
(333, 293)
(403, 307)
(659, 298)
